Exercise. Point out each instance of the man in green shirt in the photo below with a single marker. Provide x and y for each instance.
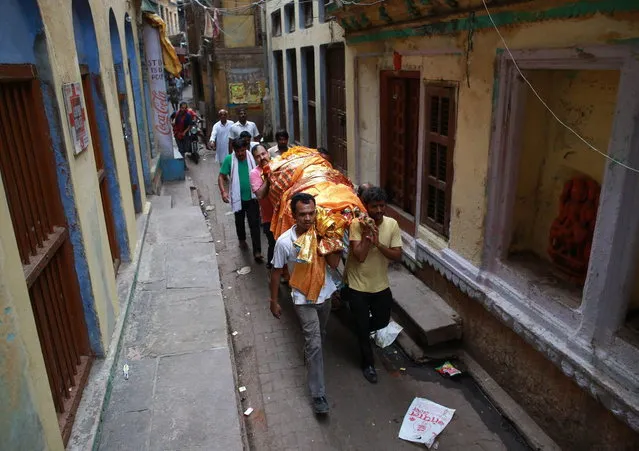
(235, 173)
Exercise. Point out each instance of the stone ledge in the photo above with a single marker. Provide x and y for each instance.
(433, 319)
(621, 401)
(85, 432)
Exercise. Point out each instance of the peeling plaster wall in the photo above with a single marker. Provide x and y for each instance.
(27, 414)
(475, 104)
(57, 18)
(551, 155)
(523, 367)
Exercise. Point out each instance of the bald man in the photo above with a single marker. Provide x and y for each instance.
(220, 136)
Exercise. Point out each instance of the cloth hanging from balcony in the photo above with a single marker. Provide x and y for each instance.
(171, 61)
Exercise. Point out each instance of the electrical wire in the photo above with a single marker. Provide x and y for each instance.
(554, 115)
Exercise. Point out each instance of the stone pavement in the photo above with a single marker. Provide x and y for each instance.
(180, 394)
(270, 364)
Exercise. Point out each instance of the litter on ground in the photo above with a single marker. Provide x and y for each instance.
(244, 270)
(447, 369)
(424, 421)
(242, 389)
(248, 411)
(386, 336)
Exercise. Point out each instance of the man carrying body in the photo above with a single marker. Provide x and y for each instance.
(313, 315)
(237, 166)
(369, 294)
(281, 136)
(242, 125)
(219, 141)
(260, 187)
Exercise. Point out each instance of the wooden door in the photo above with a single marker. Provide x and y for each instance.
(336, 120)
(400, 129)
(27, 166)
(107, 207)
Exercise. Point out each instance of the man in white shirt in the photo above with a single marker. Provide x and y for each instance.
(219, 141)
(281, 137)
(242, 125)
(313, 315)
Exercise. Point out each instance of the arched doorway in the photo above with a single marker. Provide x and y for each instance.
(93, 90)
(136, 84)
(34, 170)
(118, 66)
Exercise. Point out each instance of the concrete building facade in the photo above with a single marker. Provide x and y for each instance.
(168, 11)
(518, 212)
(307, 75)
(74, 174)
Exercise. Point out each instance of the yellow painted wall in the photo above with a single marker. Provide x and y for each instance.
(24, 388)
(22, 369)
(475, 104)
(61, 44)
(551, 155)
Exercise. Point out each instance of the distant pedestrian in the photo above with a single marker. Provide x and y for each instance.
(368, 292)
(313, 315)
(174, 98)
(182, 122)
(361, 189)
(244, 125)
(219, 140)
(250, 144)
(235, 172)
(281, 137)
(179, 84)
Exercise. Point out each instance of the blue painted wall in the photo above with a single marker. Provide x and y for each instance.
(23, 41)
(88, 53)
(138, 101)
(118, 62)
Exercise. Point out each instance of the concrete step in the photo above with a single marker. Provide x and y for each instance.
(180, 192)
(424, 314)
(161, 202)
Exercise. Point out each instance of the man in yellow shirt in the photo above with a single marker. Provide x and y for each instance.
(368, 290)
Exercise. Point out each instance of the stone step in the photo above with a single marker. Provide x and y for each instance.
(179, 191)
(423, 313)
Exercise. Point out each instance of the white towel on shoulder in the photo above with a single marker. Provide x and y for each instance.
(236, 191)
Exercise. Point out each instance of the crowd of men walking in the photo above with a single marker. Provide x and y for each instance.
(363, 285)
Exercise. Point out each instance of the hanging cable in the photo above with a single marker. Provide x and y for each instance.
(554, 115)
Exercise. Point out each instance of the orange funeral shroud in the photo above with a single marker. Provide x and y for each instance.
(304, 170)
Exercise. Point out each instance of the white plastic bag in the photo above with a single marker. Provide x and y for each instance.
(424, 421)
(386, 336)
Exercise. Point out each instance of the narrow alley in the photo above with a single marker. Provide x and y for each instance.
(468, 169)
(269, 359)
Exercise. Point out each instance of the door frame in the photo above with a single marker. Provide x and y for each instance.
(407, 222)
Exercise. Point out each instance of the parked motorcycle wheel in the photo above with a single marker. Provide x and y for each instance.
(195, 154)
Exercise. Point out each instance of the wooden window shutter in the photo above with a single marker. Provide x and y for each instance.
(438, 158)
